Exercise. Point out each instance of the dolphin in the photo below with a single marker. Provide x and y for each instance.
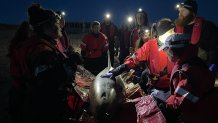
(105, 95)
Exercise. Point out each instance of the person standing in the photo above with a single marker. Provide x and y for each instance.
(124, 39)
(64, 43)
(111, 31)
(203, 32)
(94, 48)
(139, 34)
(41, 71)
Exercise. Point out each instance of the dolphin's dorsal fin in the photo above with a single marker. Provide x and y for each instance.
(109, 60)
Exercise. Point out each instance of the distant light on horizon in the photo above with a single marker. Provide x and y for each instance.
(140, 9)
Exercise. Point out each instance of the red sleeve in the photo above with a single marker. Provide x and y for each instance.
(105, 40)
(183, 93)
(140, 55)
(84, 43)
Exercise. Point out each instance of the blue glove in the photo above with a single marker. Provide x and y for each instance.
(213, 67)
(115, 72)
(107, 75)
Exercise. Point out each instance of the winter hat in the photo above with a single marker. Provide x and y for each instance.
(95, 23)
(163, 26)
(191, 5)
(177, 40)
(39, 15)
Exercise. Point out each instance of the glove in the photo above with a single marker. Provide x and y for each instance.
(134, 79)
(171, 102)
(107, 75)
(115, 72)
(118, 70)
(213, 67)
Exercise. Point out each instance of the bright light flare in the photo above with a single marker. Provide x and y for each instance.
(63, 13)
(147, 31)
(178, 6)
(108, 15)
(130, 19)
(140, 9)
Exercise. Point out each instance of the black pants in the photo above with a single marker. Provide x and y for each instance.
(95, 65)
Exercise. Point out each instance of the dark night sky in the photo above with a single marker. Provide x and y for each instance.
(15, 11)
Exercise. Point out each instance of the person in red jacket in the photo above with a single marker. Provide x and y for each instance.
(94, 48)
(64, 43)
(193, 93)
(204, 32)
(158, 66)
(110, 30)
(140, 34)
(41, 73)
(124, 38)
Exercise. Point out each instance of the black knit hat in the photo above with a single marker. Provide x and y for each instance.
(191, 5)
(163, 26)
(39, 16)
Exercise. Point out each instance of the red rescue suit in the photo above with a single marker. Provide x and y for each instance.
(94, 51)
(94, 47)
(157, 61)
(134, 37)
(204, 35)
(40, 87)
(192, 88)
(109, 30)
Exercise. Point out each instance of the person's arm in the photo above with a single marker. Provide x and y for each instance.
(49, 69)
(140, 55)
(131, 47)
(182, 93)
(106, 43)
(83, 46)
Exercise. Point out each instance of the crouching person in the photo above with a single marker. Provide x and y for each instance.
(192, 84)
(158, 69)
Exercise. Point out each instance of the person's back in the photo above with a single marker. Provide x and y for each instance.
(16, 97)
